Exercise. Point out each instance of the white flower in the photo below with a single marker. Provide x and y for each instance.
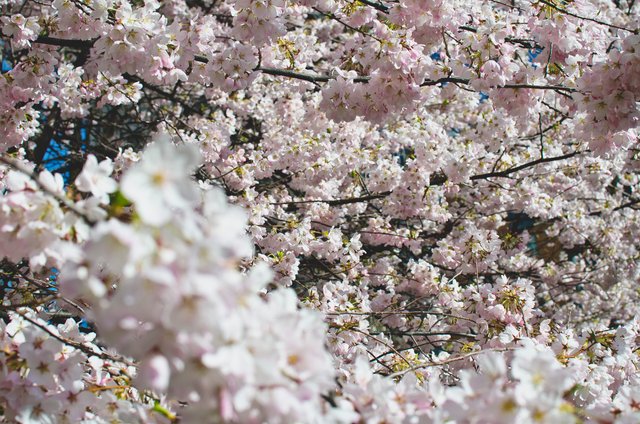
(155, 373)
(540, 374)
(95, 178)
(160, 182)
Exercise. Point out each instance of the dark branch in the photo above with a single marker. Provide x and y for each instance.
(339, 202)
(510, 171)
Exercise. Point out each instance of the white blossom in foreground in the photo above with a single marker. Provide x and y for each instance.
(161, 182)
(95, 178)
(192, 330)
(167, 290)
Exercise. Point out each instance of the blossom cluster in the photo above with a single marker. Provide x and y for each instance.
(319, 211)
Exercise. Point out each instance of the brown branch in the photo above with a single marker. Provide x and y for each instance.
(447, 361)
(539, 87)
(77, 345)
(337, 202)
(510, 171)
(84, 44)
(529, 44)
(378, 6)
(346, 25)
(63, 42)
(566, 12)
(445, 80)
(617, 208)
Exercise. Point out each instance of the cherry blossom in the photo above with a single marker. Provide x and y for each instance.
(319, 211)
(95, 178)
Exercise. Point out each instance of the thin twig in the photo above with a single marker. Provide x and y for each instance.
(447, 361)
(566, 12)
(337, 202)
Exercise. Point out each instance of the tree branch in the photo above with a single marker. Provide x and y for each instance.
(566, 12)
(338, 202)
(510, 171)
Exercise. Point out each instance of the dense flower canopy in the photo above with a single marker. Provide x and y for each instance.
(332, 211)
